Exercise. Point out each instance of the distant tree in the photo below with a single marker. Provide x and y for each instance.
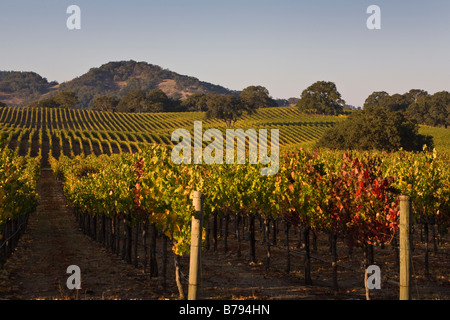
(282, 102)
(155, 100)
(66, 99)
(176, 96)
(226, 107)
(440, 108)
(255, 97)
(377, 99)
(398, 102)
(417, 105)
(134, 101)
(321, 98)
(413, 95)
(45, 103)
(432, 110)
(375, 128)
(293, 101)
(195, 102)
(158, 101)
(417, 110)
(105, 103)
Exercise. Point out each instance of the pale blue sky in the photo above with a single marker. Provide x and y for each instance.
(284, 45)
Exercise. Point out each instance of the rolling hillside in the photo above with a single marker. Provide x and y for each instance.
(112, 79)
(38, 131)
(33, 131)
(20, 88)
(118, 78)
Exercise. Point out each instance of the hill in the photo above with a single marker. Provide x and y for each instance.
(20, 88)
(118, 78)
(112, 79)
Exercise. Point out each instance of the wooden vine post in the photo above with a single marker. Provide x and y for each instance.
(405, 248)
(196, 247)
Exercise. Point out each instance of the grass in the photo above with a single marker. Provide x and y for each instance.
(441, 137)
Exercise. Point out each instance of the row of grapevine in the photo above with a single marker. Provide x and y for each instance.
(425, 177)
(29, 141)
(18, 197)
(295, 128)
(348, 196)
(107, 189)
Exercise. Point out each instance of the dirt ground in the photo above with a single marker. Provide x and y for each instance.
(53, 241)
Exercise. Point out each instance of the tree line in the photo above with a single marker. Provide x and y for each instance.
(416, 104)
(385, 123)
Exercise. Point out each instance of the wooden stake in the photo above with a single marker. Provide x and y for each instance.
(405, 249)
(196, 247)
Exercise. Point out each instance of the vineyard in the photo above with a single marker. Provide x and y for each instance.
(44, 131)
(336, 211)
(347, 196)
(18, 197)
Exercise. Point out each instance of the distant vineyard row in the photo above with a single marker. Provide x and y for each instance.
(38, 131)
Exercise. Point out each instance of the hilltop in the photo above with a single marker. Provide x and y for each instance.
(112, 79)
(20, 88)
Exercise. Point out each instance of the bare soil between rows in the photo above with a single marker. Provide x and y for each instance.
(53, 241)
